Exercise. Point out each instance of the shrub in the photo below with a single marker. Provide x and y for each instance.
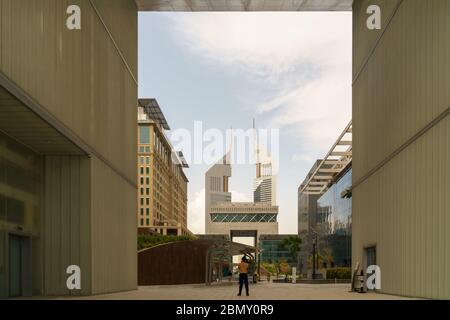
(339, 273)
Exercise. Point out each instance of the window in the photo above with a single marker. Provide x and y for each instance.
(142, 170)
(142, 180)
(144, 134)
(147, 149)
(147, 211)
(148, 180)
(148, 191)
(142, 191)
(147, 170)
(148, 201)
(142, 201)
(141, 160)
(142, 211)
(142, 222)
(148, 222)
(141, 149)
(147, 160)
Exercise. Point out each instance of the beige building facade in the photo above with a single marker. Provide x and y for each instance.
(401, 150)
(162, 183)
(67, 147)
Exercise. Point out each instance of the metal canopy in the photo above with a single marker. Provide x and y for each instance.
(336, 161)
(154, 112)
(181, 159)
(244, 5)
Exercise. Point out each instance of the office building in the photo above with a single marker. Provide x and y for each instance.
(264, 186)
(245, 219)
(67, 147)
(334, 222)
(325, 208)
(401, 172)
(162, 192)
(216, 188)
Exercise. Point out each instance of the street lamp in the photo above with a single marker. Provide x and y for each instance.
(314, 253)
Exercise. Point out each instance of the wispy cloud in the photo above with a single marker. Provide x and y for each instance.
(301, 158)
(304, 57)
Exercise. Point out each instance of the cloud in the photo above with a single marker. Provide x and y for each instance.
(196, 212)
(196, 209)
(301, 158)
(304, 57)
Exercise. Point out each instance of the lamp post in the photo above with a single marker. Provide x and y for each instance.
(314, 254)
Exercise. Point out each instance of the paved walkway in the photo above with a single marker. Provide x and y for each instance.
(260, 291)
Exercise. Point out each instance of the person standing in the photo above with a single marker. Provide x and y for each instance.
(243, 276)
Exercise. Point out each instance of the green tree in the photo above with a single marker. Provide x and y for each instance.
(293, 245)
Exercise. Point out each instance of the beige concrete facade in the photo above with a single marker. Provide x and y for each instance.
(243, 216)
(70, 97)
(162, 183)
(401, 152)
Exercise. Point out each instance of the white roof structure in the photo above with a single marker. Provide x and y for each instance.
(336, 161)
(244, 5)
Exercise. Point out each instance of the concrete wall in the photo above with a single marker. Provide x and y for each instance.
(114, 231)
(78, 76)
(401, 154)
(66, 232)
(85, 82)
(212, 196)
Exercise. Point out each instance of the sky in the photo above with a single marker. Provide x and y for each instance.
(289, 71)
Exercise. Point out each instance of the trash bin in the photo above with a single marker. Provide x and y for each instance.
(359, 285)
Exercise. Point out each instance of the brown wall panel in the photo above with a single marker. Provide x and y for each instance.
(181, 262)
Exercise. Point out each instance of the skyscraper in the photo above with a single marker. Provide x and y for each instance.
(264, 188)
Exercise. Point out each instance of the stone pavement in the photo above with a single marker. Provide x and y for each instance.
(260, 291)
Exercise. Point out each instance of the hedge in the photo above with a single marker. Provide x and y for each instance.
(339, 273)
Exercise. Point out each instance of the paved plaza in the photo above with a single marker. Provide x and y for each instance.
(260, 291)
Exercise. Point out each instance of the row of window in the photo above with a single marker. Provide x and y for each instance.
(144, 149)
(147, 211)
(147, 191)
(144, 159)
(147, 222)
(143, 170)
(146, 180)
